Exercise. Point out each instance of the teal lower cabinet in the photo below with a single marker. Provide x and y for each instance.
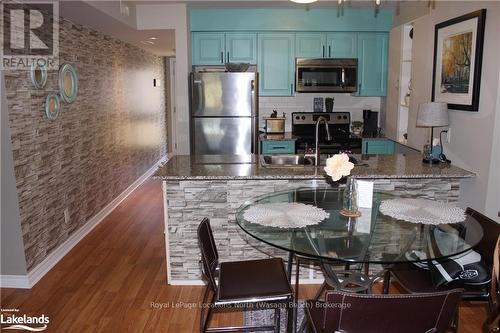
(269, 147)
(378, 146)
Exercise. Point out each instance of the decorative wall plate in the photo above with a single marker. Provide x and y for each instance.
(68, 83)
(52, 106)
(38, 75)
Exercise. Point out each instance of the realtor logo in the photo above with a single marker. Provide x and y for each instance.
(30, 33)
(11, 320)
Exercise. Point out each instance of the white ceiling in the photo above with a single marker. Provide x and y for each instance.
(109, 18)
(105, 17)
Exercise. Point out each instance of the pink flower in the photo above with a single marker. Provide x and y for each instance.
(338, 166)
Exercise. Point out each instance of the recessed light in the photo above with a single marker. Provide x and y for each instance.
(153, 38)
(147, 42)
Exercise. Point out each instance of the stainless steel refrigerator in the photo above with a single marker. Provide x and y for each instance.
(224, 113)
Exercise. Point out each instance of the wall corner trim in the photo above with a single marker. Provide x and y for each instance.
(39, 271)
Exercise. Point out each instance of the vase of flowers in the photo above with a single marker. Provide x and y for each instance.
(357, 127)
(337, 167)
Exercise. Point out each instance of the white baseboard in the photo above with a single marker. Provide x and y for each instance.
(15, 281)
(39, 271)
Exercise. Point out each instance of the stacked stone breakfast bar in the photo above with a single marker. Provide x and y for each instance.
(213, 186)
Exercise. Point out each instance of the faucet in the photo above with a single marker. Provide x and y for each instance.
(328, 136)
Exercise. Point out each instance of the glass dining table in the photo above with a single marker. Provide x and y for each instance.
(372, 238)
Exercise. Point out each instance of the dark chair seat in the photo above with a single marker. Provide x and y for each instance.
(246, 280)
(416, 280)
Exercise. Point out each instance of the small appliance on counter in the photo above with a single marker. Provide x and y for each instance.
(370, 123)
(275, 124)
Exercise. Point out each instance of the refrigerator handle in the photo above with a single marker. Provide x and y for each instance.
(197, 94)
(255, 115)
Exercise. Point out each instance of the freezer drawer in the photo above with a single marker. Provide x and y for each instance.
(222, 136)
(223, 94)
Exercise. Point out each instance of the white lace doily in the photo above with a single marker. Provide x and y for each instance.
(285, 215)
(422, 211)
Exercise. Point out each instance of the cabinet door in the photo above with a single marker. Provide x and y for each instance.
(372, 64)
(276, 63)
(342, 44)
(208, 48)
(310, 45)
(241, 47)
(378, 147)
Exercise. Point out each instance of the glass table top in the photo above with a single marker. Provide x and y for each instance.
(371, 238)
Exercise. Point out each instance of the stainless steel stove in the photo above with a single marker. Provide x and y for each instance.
(339, 123)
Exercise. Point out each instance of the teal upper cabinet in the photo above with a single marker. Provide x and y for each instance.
(372, 64)
(310, 45)
(241, 47)
(275, 63)
(208, 48)
(342, 44)
(217, 48)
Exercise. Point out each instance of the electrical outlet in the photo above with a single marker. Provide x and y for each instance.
(66, 215)
(448, 135)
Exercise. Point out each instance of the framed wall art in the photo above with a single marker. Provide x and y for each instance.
(458, 53)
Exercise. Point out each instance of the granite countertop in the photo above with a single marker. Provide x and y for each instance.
(207, 167)
(277, 137)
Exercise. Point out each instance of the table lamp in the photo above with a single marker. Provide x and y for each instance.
(433, 114)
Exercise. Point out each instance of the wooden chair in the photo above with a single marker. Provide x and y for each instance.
(241, 283)
(416, 280)
(361, 313)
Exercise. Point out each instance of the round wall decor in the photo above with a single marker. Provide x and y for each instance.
(38, 75)
(68, 83)
(52, 106)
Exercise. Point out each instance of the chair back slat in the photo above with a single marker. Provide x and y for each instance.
(491, 231)
(356, 313)
(209, 254)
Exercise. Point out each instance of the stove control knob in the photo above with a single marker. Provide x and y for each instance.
(345, 117)
(303, 117)
(339, 117)
(297, 117)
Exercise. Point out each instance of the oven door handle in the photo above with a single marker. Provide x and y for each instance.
(343, 77)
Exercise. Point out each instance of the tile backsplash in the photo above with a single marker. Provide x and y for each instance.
(304, 103)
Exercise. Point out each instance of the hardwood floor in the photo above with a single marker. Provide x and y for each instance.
(114, 280)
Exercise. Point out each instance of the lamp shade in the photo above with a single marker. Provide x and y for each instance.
(433, 114)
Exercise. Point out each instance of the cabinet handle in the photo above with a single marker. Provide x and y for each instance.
(359, 88)
(323, 51)
(222, 57)
(228, 56)
(329, 51)
(291, 89)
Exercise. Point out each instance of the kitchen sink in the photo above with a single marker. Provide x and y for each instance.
(297, 160)
(286, 160)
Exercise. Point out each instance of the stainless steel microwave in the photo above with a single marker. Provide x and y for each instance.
(326, 75)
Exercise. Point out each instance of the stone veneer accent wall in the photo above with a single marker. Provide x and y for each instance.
(112, 134)
(189, 202)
